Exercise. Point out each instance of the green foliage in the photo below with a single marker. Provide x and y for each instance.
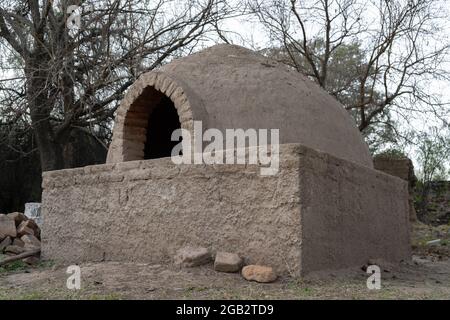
(392, 153)
(15, 266)
(433, 154)
(19, 266)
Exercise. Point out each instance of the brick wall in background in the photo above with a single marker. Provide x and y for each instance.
(402, 168)
(438, 204)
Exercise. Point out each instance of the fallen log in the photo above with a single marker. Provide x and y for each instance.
(20, 256)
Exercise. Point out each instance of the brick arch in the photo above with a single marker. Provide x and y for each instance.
(130, 129)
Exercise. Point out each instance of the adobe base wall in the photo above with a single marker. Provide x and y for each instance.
(319, 212)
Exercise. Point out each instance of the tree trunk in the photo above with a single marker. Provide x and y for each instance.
(40, 101)
(49, 149)
(423, 205)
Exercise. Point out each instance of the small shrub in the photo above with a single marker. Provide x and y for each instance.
(392, 154)
(13, 266)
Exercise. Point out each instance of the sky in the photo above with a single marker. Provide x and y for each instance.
(252, 35)
(248, 32)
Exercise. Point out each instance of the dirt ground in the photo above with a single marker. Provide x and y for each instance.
(426, 276)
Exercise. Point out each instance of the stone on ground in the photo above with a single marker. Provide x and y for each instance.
(31, 260)
(23, 229)
(192, 257)
(33, 211)
(14, 250)
(18, 217)
(4, 243)
(7, 227)
(31, 242)
(227, 262)
(32, 225)
(433, 242)
(18, 242)
(259, 274)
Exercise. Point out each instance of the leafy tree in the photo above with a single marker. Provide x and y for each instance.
(433, 154)
(61, 75)
(344, 70)
(376, 57)
(392, 154)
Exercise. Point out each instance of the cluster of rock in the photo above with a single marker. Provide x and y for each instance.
(18, 235)
(223, 262)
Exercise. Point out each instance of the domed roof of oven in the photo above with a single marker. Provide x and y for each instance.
(230, 87)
